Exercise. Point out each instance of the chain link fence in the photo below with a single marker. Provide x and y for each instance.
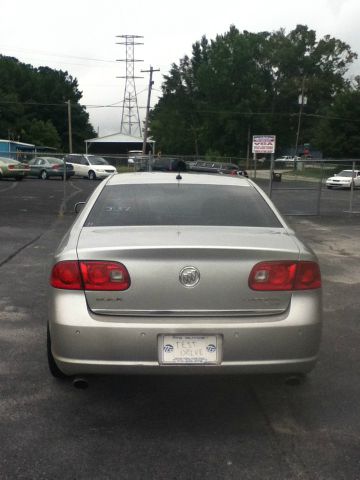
(312, 187)
(296, 187)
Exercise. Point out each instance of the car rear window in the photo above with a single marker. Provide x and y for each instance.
(172, 204)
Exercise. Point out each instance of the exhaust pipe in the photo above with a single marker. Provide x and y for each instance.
(80, 383)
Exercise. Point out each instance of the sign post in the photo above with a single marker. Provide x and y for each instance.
(264, 144)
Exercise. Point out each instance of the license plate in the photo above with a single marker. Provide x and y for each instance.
(190, 349)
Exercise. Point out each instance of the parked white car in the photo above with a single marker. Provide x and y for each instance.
(287, 159)
(344, 179)
(91, 166)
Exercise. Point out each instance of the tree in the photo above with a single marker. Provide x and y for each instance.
(43, 134)
(242, 80)
(338, 134)
(29, 95)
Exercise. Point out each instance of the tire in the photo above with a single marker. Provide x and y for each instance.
(44, 175)
(92, 175)
(18, 179)
(328, 186)
(54, 369)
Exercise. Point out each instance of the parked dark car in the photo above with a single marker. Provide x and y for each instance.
(46, 167)
(166, 164)
(217, 167)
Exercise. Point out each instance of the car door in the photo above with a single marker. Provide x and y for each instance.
(36, 167)
(84, 167)
(357, 179)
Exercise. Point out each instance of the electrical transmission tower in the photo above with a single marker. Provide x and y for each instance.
(130, 119)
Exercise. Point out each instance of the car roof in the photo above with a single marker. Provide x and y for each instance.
(170, 177)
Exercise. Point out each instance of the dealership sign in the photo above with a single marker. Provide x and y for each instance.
(263, 144)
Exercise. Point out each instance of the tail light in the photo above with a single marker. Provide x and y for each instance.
(11, 167)
(104, 275)
(90, 275)
(285, 275)
(55, 167)
(66, 275)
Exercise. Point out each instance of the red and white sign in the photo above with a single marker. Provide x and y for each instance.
(263, 144)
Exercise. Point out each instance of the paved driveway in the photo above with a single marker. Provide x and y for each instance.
(170, 428)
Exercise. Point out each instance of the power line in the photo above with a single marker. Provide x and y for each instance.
(59, 55)
(120, 105)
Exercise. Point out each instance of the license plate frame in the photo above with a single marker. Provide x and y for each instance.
(193, 349)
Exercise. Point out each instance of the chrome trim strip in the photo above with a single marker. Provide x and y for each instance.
(189, 313)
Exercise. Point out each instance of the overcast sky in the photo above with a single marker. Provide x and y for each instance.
(80, 36)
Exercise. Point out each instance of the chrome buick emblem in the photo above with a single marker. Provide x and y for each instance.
(189, 276)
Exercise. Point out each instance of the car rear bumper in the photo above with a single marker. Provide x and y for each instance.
(85, 343)
(338, 184)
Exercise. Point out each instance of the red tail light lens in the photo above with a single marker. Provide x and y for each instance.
(285, 275)
(90, 275)
(11, 167)
(104, 275)
(66, 275)
(55, 167)
(308, 276)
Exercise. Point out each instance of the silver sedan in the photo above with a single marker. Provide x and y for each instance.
(182, 273)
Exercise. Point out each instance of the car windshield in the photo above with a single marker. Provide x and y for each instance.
(345, 173)
(172, 204)
(97, 161)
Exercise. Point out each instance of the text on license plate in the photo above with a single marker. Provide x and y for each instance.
(190, 349)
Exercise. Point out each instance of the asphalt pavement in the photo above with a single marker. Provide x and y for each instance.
(226, 427)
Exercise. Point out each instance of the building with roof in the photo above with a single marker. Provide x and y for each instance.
(117, 143)
(12, 149)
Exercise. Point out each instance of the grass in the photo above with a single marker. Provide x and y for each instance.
(123, 169)
(314, 172)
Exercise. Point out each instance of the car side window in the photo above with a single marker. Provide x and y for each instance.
(84, 161)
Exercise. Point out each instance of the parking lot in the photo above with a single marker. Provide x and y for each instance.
(226, 427)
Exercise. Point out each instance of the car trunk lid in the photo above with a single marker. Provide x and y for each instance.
(156, 257)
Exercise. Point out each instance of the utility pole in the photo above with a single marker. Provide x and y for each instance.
(148, 106)
(248, 148)
(69, 125)
(131, 125)
(302, 101)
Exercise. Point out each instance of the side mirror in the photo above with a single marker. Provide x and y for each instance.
(79, 206)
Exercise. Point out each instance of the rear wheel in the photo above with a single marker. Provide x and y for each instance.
(44, 175)
(54, 369)
(91, 175)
